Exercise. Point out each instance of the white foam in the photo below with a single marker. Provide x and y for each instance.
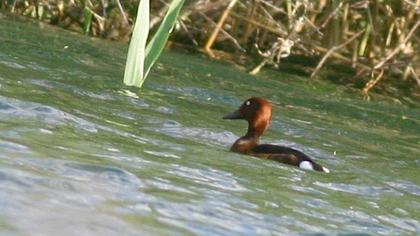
(325, 170)
(306, 165)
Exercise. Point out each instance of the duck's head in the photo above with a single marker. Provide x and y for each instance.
(257, 111)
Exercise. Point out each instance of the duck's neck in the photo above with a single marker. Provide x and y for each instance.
(246, 143)
(256, 129)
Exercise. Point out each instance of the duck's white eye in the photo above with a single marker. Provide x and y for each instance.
(248, 103)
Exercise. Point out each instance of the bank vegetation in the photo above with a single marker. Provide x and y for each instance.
(376, 39)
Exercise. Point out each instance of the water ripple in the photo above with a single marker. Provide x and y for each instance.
(405, 186)
(210, 177)
(372, 191)
(204, 135)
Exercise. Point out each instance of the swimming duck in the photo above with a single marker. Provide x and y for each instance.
(257, 111)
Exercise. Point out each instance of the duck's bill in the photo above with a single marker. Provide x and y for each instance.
(234, 115)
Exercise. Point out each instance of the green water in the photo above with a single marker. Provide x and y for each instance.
(80, 156)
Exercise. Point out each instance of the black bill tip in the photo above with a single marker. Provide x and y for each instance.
(234, 115)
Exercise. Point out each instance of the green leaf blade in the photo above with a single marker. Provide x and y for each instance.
(157, 43)
(134, 67)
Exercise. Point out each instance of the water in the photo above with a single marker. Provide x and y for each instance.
(80, 154)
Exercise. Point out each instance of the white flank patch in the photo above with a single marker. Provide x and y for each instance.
(306, 165)
(325, 170)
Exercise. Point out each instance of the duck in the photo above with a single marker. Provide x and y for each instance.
(258, 113)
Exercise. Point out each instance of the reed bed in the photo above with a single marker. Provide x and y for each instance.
(378, 38)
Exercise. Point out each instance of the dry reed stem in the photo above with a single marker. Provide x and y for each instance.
(389, 36)
(341, 57)
(122, 11)
(259, 67)
(249, 26)
(99, 19)
(12, 10)
(219, 25)
(354, 54)
(369, 85)
(331, 15)
(233, 39)
(276, 31)
(331, 50)
(189, 34)
(398, 48)
(413, 72)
